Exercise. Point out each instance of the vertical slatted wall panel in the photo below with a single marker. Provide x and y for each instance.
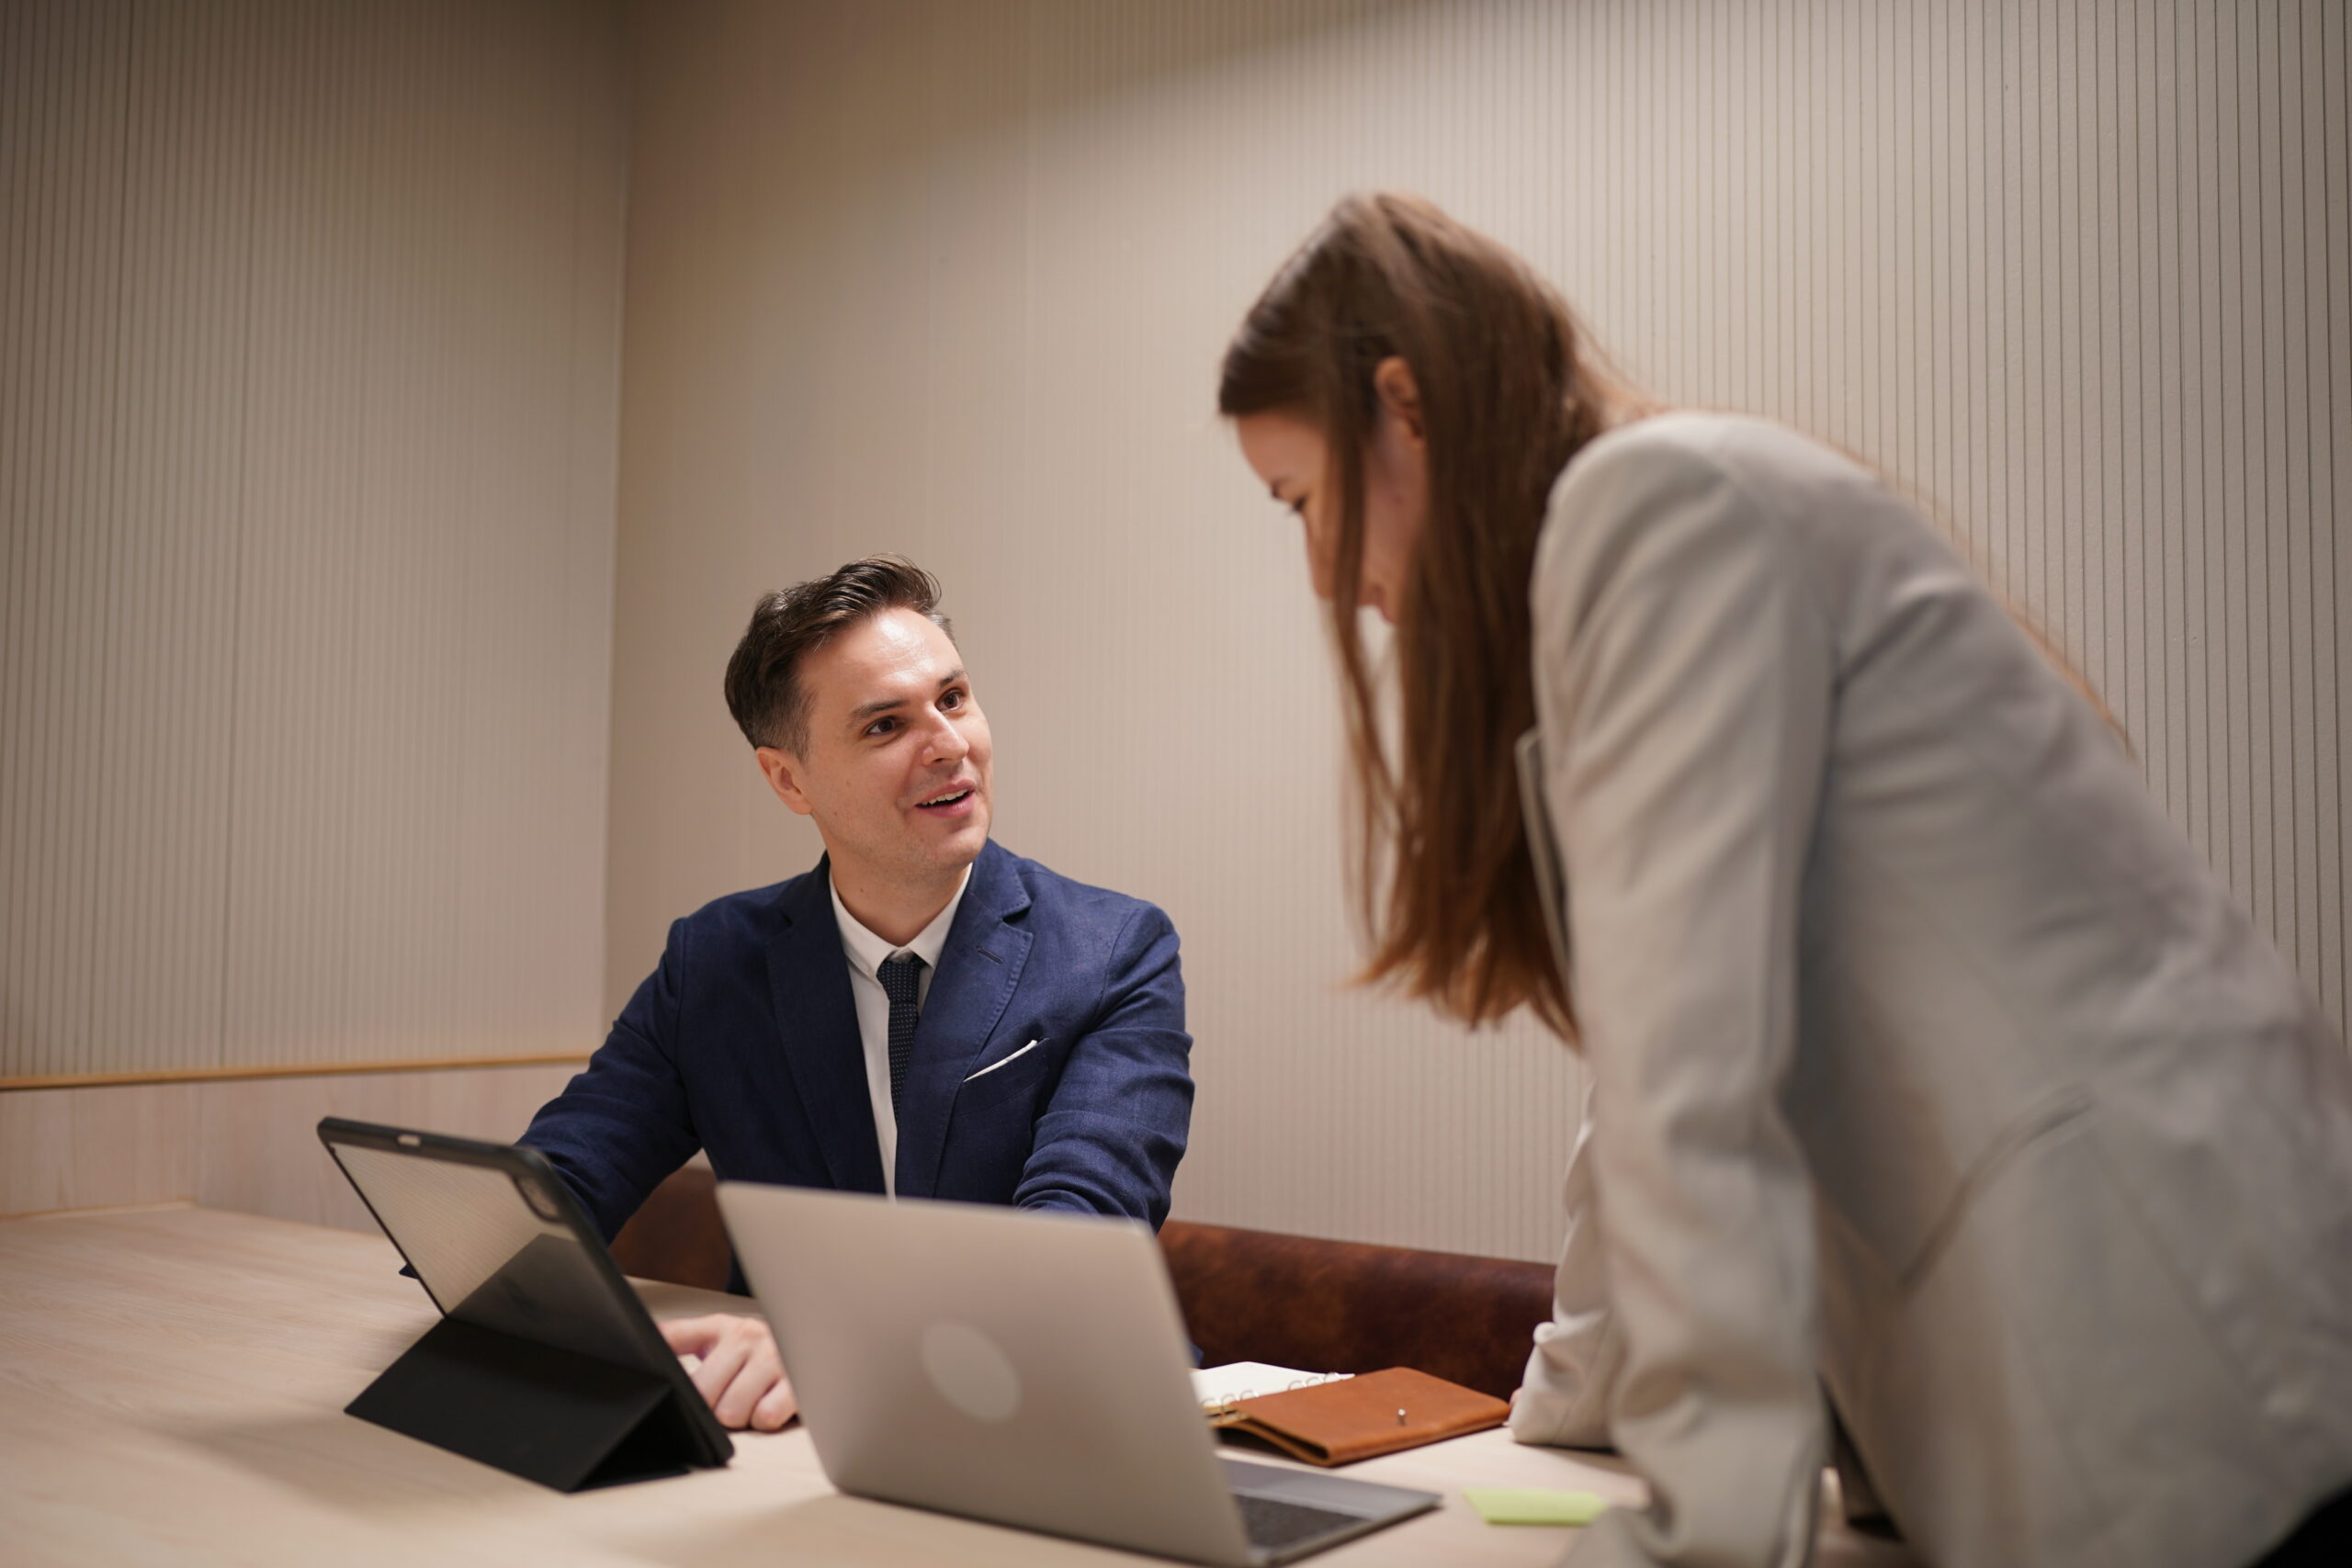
(308, 404)
(952, 279)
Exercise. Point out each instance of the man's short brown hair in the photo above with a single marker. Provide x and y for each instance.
(763, 689)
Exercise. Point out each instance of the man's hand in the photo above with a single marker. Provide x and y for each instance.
(737, 1370)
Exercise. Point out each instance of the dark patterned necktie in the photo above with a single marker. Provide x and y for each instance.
(901, 980)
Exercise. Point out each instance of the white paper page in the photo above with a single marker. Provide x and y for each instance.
(1217, 1387)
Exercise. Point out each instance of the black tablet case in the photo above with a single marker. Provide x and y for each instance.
(548, 1414)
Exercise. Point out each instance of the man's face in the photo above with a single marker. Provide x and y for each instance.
(897, 770)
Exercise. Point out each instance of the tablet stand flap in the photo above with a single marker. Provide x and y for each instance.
(554, 1417)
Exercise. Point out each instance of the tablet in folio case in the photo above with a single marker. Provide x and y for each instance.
(1363, 1416)
(545, 1363)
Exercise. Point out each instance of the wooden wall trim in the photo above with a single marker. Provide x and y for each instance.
(290, 1070)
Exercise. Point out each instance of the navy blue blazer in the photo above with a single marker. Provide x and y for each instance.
(744, 1042)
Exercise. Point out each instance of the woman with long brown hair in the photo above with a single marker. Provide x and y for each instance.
(1941, 1099)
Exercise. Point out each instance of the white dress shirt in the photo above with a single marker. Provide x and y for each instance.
(866, 952)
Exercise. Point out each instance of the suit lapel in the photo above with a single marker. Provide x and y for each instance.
(1543, 848)
(816, 1020)
(979, 968)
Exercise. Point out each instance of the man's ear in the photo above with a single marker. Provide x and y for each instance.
(1392, 381)
(783, 773)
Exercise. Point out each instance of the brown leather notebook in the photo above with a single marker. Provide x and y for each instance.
(1376, 1412)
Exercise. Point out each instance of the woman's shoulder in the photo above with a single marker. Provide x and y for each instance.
(1743, 449)
(1750, 485)
(1718, 473)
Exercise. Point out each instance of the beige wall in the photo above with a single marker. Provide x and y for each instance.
(308, 367)
(309, 382)
(953, 278)
(310, 349)
(248, 1145)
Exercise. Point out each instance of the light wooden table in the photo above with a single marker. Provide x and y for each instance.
(171, 1384)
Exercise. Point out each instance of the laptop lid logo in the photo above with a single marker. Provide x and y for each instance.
(970, 1373)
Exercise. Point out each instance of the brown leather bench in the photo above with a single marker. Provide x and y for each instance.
(1294, 1301)
(1344, 1306)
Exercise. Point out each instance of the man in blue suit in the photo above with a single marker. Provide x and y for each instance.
(923, 1014)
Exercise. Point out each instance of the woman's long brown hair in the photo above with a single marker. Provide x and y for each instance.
(1508, 395)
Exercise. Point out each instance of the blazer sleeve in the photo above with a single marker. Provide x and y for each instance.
(622, 1125)
(1564, 1398)
(1684, 682)
(1110, 1138)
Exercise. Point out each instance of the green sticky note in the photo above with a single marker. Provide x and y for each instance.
(1534, 1505)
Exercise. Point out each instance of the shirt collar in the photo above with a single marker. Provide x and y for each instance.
(867, 950)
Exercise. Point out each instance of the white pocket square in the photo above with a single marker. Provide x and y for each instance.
(1002, 1060)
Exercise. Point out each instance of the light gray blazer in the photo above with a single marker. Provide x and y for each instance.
(1931, 1069)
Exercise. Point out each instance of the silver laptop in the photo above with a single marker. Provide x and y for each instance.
(1026, 1369)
